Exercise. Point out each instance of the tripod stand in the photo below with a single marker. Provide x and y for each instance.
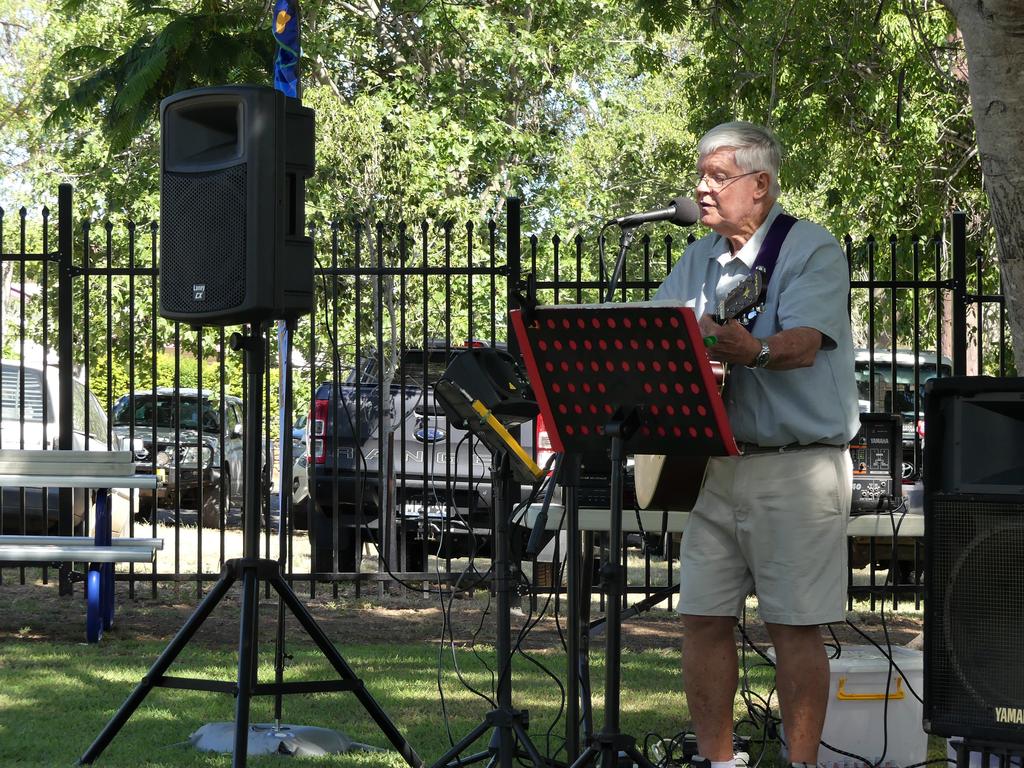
(509, 739)
(633, 378)
(251, 570)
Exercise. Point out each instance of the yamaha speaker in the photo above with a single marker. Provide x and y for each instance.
(974, 559)
(233, 247)
(876, 451)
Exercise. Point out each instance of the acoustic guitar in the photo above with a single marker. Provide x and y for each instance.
(674, 482)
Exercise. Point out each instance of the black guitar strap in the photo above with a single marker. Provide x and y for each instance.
(769, 251)
(768, 254)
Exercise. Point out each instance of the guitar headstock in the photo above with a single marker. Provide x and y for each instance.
(744, 298)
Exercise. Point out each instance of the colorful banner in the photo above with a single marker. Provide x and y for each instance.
(286, 34)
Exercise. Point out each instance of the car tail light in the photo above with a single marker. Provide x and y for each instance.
(920, 428)
(319, 429)
(542, 441)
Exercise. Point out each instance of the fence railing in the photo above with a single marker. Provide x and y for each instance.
(392, 303)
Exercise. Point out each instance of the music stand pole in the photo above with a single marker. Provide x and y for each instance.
(578, 599)
(610, 741)
(579, 568)
(251, 570)
(570, 497)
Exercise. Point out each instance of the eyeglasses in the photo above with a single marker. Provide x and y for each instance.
(717, 182)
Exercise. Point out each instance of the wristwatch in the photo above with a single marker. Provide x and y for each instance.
(761, 361)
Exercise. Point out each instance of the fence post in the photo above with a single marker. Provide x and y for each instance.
(959, 293)
(65, 370)
(513, 265)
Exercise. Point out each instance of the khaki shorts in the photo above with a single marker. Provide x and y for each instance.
(774, 525)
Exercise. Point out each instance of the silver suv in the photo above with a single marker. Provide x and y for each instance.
(197, 450)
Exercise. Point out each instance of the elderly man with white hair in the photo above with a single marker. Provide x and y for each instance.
(771, 521)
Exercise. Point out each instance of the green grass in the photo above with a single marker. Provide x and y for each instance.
(56, 697)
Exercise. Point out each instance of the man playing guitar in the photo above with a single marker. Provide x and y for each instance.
(771, 521)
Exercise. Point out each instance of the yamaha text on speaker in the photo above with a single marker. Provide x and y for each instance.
(233, 248)
(974, 558)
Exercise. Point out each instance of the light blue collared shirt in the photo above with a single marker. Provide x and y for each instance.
(809, 289)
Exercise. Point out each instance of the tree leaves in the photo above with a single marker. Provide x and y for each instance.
(169, 53)
(587, 106)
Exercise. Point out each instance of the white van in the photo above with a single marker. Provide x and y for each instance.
(29, 409)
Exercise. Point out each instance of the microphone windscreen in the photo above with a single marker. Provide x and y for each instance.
(687, 212)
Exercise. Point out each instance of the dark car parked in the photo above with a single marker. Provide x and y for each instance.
(197, 453)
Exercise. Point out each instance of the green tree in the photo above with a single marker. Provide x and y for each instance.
(438, 112)
(993, 36)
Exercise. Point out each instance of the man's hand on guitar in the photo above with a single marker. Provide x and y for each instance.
(733, 342)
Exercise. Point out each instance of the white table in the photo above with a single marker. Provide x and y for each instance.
(871, 525)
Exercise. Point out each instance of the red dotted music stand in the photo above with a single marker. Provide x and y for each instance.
(635, 378)
(585, 362)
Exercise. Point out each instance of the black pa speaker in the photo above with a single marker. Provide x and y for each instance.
(233, 247)
(974, 558)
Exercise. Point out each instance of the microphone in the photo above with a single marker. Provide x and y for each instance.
(682, 212)
(540, 524)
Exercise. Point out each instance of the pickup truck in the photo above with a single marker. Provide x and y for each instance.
(441, 473)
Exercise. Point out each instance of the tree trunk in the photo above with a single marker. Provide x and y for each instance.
(993, 34)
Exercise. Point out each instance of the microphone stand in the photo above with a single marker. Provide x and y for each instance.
(626, 235)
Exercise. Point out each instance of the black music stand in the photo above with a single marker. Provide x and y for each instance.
(511, 465)
(637, 377)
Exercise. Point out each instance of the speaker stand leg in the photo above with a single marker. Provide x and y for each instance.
(160, 666)
(251, 573)
(252, 570)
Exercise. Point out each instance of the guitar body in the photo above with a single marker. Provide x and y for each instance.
(668, 482)
(674, 482)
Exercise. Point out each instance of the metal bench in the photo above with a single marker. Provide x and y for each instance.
(98, 470)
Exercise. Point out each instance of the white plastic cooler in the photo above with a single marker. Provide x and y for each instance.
(858, 709)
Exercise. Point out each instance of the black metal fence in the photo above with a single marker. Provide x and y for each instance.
(392, 303)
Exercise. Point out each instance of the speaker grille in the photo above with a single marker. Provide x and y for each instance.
(202, 243)
(975, 653)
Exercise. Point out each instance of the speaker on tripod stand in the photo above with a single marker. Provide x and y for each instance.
(233, 246)
(974, 550)
(233, 249)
